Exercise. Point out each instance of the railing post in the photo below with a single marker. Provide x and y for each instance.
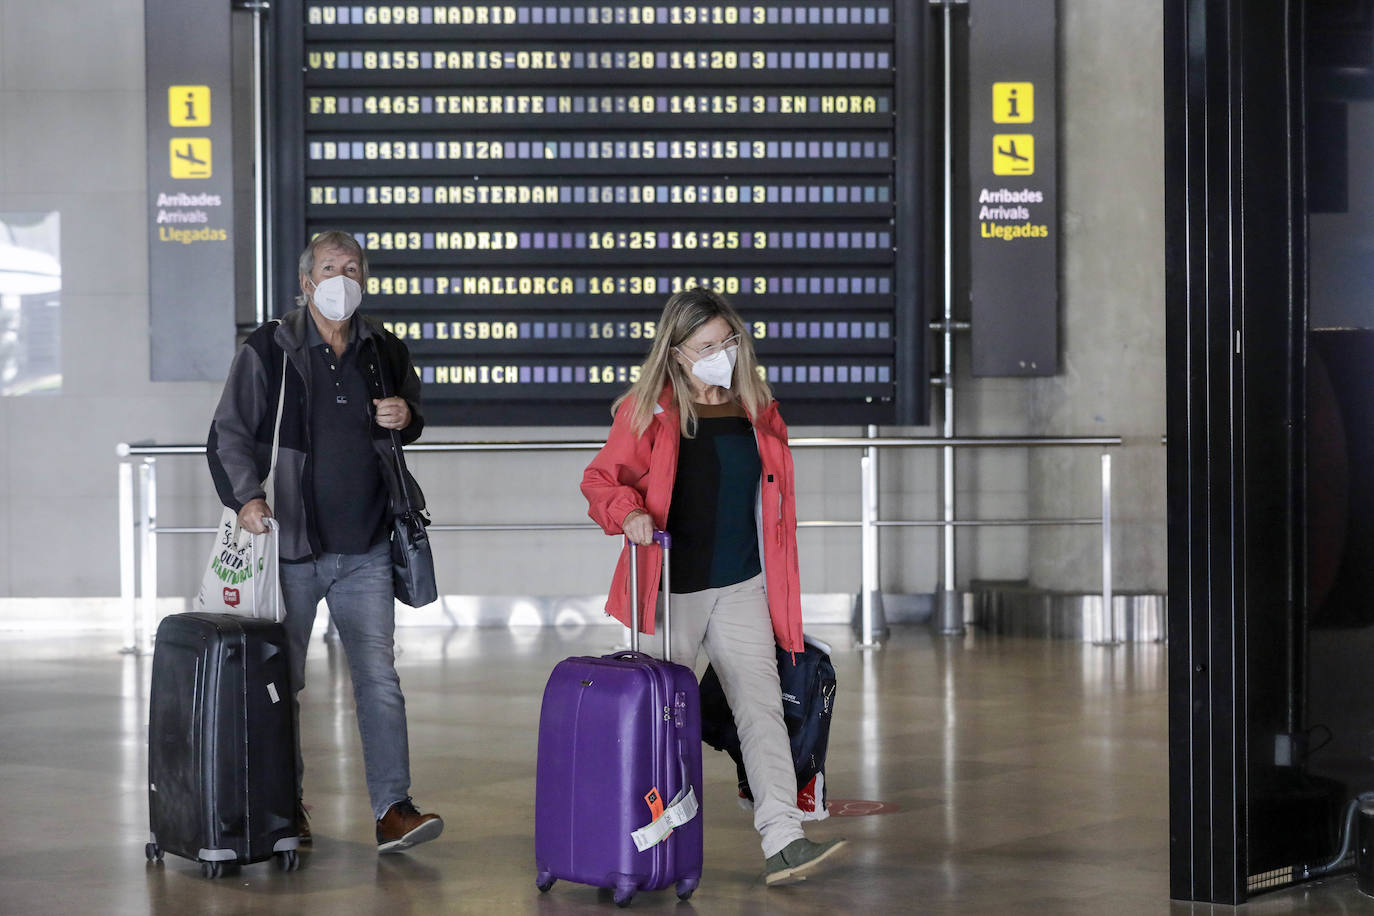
(872, 620)
(1109, 637)
(949, 610)
(127, 529)
(147, 473)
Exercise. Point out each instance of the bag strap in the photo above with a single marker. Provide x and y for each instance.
(270, 484)
(273, 535)
(396, 451)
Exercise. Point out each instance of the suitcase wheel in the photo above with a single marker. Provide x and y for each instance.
(153, 852)
(624, 893)
(544, 881)
(211, 869)
(685, 889)
(288, 860)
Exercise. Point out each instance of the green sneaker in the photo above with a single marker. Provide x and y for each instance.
(798, 859)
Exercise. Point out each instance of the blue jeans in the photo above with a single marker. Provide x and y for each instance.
(358, 591)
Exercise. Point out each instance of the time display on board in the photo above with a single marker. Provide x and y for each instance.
(532, 180)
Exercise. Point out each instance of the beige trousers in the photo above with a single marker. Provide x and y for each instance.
(733, 626)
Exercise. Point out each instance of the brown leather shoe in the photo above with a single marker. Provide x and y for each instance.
(402, 827)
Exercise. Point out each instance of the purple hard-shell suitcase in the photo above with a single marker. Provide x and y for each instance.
(620, 764)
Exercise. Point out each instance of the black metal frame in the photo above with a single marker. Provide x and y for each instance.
(1236, 313)
(287, 178)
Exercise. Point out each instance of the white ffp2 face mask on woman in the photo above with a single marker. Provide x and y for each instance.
(338, 297)
(717, 369)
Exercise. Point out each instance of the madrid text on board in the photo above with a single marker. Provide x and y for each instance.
(498, 14)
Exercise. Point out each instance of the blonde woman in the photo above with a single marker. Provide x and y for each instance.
(697, 448)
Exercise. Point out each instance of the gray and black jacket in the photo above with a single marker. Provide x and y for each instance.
(239, 447)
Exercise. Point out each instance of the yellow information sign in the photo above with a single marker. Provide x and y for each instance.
(190, 157)
(1013, 103)
(1013, 154)
(188, 106)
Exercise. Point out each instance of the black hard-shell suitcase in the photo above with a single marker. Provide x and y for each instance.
(221, 743)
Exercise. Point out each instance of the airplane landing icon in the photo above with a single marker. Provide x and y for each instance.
(1011, 151)
(189, 154)
(191, 157)
(1013, 154)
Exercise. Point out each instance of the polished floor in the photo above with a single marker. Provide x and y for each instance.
(1012, 776)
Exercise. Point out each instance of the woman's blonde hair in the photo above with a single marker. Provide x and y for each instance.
(683, 314)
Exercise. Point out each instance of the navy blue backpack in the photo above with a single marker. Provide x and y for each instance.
(808, 702)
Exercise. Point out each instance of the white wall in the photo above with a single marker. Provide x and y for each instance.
(72, 140)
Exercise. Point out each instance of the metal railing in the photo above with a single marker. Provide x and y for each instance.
(139, 528)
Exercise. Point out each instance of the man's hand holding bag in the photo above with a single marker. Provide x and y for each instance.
(242, 574)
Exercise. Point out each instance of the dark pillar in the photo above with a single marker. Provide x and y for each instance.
(1235, 256)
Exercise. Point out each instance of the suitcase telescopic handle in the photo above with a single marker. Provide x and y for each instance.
(664, 540)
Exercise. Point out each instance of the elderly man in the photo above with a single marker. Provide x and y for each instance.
(335, 482)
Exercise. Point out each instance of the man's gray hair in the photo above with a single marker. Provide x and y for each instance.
(332, 238)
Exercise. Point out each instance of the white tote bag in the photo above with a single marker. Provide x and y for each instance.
(241, 577)
(242, 574)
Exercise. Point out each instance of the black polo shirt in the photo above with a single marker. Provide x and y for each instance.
(351, 509)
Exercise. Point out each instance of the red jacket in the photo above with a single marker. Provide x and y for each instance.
(637, 472)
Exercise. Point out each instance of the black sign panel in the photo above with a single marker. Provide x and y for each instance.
(190, 190)
(533, 180)
(1014, 244)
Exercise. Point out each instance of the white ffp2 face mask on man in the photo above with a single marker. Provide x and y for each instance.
(338, 297)
(717, 369)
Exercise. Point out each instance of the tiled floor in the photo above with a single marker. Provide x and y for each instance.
(1029, 776)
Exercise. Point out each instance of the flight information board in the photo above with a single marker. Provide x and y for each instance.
(532, 180)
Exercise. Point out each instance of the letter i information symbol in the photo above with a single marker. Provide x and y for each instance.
(1013, 103)
(188, 106)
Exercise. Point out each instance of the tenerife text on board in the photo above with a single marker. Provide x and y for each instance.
(439, 105)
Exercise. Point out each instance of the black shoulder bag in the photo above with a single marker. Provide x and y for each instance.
(412, 561)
